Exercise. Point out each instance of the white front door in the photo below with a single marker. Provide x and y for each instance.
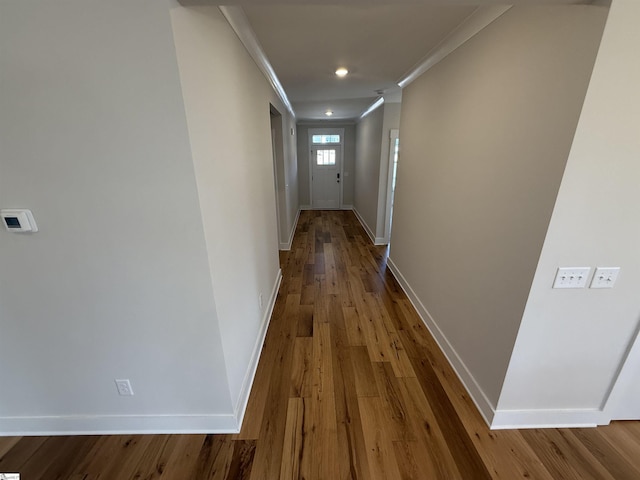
(325, 176)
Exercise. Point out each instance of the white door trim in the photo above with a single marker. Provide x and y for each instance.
(393, 134)
(326, 131)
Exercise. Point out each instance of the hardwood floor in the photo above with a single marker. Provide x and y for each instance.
(350, 385)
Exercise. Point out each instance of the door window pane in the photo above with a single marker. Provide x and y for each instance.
(325, 138)
(326, 157)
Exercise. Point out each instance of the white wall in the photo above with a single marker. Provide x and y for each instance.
(229, 125)
(116, 283)
(485, 136)
(348, 161)
(571, 343)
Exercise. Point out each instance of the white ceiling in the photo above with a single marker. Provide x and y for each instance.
(378, 44)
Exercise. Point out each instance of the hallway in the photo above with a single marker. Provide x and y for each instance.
(350, 384)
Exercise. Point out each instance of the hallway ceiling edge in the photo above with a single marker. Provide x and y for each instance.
(478, 20)
(378, 44)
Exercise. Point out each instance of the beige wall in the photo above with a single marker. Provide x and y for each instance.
(485, 136)
(348, 160)
(372, 167)
(584, 334)
(367, 174)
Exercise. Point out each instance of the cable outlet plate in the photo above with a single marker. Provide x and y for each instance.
(124, 387)
(572, 277)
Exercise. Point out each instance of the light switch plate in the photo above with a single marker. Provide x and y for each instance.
(605, 277)
(572, 277)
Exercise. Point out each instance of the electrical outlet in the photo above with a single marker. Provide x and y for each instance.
(124, 387)
(572, 277)
(261, 302)
(605, 277)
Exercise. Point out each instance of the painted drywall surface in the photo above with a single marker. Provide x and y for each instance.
(302, 152)
(116, 282)
(485, 138)
(391, 121)
(227, 103)
(571, 342)
(348, 160)
(367, 174)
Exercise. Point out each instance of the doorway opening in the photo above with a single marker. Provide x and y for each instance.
(279, 180)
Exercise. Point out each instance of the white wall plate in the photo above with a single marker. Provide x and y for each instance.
(572, 277)
(605, 277)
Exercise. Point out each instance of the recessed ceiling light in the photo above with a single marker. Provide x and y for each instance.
(341, 72)
(328, 113)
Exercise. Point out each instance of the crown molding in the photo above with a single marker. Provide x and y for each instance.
(326, 123)
(373, 106)
(474, 23)
(240, 24)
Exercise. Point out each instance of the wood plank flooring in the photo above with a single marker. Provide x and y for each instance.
(350, 385)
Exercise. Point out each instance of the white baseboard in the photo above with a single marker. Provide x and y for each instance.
(364, 225)
(375, 240)
(342, 207)
(243, 399)
(497, 419)
(287, 246)
(116, 425)
(571, 418)
(486, 408)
